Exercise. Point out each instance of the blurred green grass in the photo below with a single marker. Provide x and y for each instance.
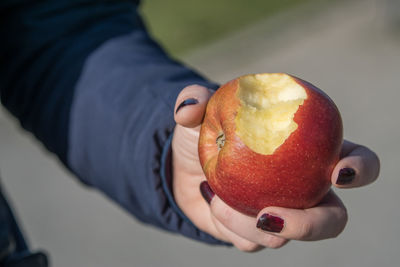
(181, 25)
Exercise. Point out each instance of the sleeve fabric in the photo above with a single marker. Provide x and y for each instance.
(89, 82)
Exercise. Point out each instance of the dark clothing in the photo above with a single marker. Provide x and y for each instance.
(86, 79)
(43, 48)
(14, 251)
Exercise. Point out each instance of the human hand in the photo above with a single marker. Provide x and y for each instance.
(274, 226)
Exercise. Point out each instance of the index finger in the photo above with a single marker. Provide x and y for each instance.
(326, 220)
(242, 225)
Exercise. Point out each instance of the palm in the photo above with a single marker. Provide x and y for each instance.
(184, 147)
(188, 175)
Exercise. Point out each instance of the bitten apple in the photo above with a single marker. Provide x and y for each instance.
(270, 140)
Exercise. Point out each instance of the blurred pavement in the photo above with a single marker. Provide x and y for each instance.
(346, 48)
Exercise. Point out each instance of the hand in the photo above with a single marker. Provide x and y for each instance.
(274, 226)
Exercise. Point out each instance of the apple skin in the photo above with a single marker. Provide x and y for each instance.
(296, 175)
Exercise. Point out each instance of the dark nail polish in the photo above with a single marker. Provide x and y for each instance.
(189, 101)
(206, 191)
(270, 223)
(346, 176)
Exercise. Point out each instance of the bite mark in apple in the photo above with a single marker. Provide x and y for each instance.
(268, 105)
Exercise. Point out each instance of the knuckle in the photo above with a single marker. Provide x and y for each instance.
(276, 245)
(276, 242)
(247, 246)
(224, 215)
(272, 241)
(345, 215)
(306, 230)
(343, 218)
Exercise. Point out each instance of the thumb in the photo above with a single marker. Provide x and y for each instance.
(191, 104)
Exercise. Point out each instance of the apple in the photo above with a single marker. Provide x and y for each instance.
(270, 140)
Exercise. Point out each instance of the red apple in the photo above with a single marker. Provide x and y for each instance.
(270, 140)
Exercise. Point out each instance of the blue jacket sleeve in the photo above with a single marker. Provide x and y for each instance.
(99, 92)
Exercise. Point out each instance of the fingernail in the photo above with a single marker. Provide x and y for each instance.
(270, 223)
(206, 191)
(189, 101)
(346, 176)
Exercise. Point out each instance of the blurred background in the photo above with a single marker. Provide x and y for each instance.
(349, 48)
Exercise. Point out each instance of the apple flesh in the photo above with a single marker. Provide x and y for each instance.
(270, 140)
